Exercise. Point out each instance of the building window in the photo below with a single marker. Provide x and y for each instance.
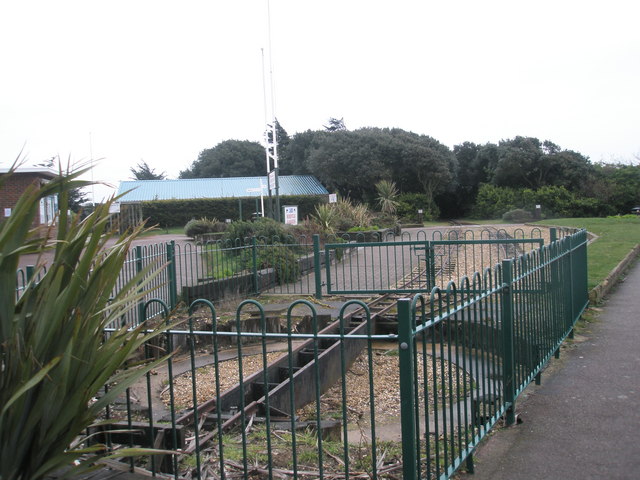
(48, 209)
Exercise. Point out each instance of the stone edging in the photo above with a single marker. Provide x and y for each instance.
(602, 289)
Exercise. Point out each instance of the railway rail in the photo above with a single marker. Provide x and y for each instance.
(289, 383)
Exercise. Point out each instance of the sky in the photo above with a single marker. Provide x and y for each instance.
(115, 83)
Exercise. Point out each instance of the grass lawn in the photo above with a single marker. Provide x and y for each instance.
(616, 237)
(164, 231)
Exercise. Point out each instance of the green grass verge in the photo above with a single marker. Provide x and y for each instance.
(616, 237)
(164, 231)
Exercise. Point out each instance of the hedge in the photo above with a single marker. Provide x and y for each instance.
(176, 213)
(493, 202)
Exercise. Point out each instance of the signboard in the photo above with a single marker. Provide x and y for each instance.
(272, 180)
(7, 212)
(333, 198)
(291, 214)
(114, 207)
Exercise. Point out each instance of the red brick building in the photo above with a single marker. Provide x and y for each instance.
(14, 185)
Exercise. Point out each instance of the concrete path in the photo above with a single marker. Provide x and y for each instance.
(583, 422)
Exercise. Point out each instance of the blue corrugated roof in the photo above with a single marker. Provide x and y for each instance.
(184, 189)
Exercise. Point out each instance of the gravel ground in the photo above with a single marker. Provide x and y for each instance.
(463, 261)
(386, 387)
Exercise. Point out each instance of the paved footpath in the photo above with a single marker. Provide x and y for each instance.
(583, 422)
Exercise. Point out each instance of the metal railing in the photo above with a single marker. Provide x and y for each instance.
(285, 393)
(501, 337)
(26, 275)
(308, 266)
(350, 263)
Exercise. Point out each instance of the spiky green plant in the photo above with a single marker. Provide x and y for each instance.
(361, 215)
(325, 217)
(387, 196)
(54, 355)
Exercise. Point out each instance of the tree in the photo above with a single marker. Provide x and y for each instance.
(145, 172)
(230, 158)
(471, 173)
(351, 162)
(298, 151)
(615, 185)
(427, 166)
(335, 125)
(527, 162)
(76, 199)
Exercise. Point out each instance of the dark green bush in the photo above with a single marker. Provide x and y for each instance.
(277, 256)
(266, 230)
(493, 202)
(282, 260)
(203, 225)
(386, 220)
(410, 203)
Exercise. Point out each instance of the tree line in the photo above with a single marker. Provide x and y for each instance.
(482, 180)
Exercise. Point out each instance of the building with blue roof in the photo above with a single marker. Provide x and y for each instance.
(136, 191)
(224, 198)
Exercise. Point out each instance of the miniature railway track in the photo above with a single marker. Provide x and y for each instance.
(257, 397)
(267, 393)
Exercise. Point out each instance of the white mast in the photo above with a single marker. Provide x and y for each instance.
(270, 136)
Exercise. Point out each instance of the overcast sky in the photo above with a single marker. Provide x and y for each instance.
(159, 81)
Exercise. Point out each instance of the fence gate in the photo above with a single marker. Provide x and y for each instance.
(377, 267)
(413, 266)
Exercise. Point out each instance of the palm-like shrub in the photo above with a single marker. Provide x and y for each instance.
(342, 216)
(326, 217)
(387, 196)
(54, 355)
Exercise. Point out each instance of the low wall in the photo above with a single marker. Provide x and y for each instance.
(601, 290)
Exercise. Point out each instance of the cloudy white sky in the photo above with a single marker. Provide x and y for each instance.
(159, 81)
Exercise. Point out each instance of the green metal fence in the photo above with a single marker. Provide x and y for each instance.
(413, 266)
(26, 275)
(319, 267)
(313, 266)
(501, 337)
(273, 392)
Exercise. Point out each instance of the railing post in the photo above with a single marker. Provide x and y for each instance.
(254, 252)
(172, 282)
(556, 285)
(407, 408)
(430, 258)
(508, 369)
(139, 267)
(316, 265)
(30, 270)
(570, 302)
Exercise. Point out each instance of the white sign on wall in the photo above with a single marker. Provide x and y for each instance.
(333, 198)
(291, 214)
(7, 212)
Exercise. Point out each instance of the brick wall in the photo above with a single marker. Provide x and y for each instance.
(13, 188)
